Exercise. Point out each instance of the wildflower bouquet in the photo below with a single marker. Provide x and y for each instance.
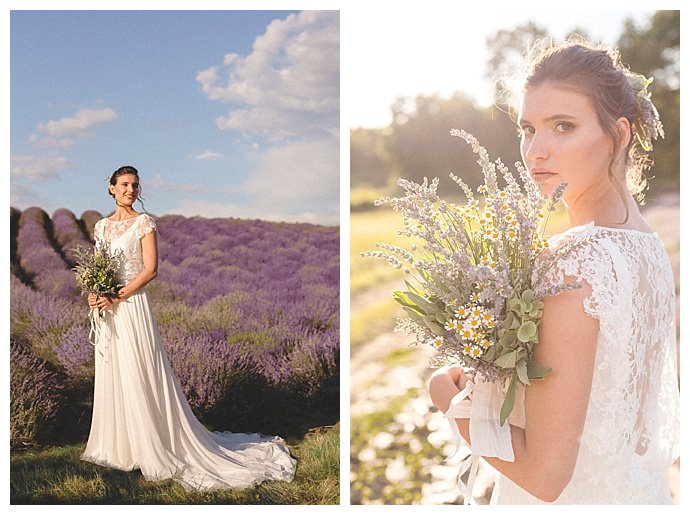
(96, 272)
(96, 269)
(477, 278)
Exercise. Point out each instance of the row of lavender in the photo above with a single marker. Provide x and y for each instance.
(248, 312)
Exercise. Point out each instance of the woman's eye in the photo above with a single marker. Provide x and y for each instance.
(525, 131)
(563, 126)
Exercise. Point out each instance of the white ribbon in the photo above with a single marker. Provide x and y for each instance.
(461, 407)
(95, 333)
(488, 438)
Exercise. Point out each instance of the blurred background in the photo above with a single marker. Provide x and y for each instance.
(430, 75)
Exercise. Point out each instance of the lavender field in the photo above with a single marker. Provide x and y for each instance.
(248, 312)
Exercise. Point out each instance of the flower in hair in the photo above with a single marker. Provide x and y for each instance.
(646, 125)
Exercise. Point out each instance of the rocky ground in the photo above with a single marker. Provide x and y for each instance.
(398, 440)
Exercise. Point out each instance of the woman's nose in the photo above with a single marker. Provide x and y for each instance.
(535, 148)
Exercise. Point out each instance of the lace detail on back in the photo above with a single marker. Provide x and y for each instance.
(125, 235)
(632, 424)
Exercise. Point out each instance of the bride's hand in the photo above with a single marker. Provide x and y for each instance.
(456, 375)
(107, 301)
(460, 378)
(92, 300)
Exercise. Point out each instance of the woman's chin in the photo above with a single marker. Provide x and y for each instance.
(546, 189)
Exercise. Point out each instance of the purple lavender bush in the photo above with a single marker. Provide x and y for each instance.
(68, 234)
(39, 319)
(38, 258)
(248, 312)
(203, 364)
(35, 396)
(88, 220)
(15, 215)
(75, 353)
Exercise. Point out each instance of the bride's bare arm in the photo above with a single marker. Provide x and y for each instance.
(149, 252)
(555, 408)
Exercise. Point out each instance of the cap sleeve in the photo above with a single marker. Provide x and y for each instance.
(146, 225)
(585, 258)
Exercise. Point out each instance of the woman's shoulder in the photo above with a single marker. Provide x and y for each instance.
(575, 242)
(146, 218)
(590, 252)
(573, 234)
(603, 237)
(575, 255)
(145, 224)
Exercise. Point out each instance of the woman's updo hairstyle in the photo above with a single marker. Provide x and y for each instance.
(614, 91)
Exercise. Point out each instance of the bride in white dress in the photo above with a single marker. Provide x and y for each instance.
(603, 427)
(141, 418)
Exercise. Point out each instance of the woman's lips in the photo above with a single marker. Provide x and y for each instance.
(540, 174)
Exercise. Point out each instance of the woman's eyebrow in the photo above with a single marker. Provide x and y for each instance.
(551, 118)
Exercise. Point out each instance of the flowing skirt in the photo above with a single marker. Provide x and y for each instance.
(141, 418)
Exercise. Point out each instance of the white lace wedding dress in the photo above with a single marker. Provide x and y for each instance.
(141, 418)
(631, 431)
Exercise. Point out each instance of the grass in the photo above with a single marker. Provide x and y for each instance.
(56, 475)
(371, 483)
(366, 228)
(362, 198)
(375, 319)
(400, 356)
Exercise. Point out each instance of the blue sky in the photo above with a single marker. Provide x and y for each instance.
(224, 113)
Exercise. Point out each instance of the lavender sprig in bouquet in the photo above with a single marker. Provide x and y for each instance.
(477, 278)
(96, 271)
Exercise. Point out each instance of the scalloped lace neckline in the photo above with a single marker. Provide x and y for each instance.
(591, 226)
(125, 220)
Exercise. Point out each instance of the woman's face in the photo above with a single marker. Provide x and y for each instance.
(562, 141)
(126, 189)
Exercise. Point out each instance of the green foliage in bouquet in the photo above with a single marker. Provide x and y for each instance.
(97, 268)
(481, 273)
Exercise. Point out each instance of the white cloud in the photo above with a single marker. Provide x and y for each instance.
(62, 133)
(286, 90)
(34, 167)
(22, 197)
(289, 85)
(300, 173)
(208, 154)
(296, 181)
(161, 184)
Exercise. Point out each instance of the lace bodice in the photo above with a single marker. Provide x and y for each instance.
(631, 431)
(125, 236)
